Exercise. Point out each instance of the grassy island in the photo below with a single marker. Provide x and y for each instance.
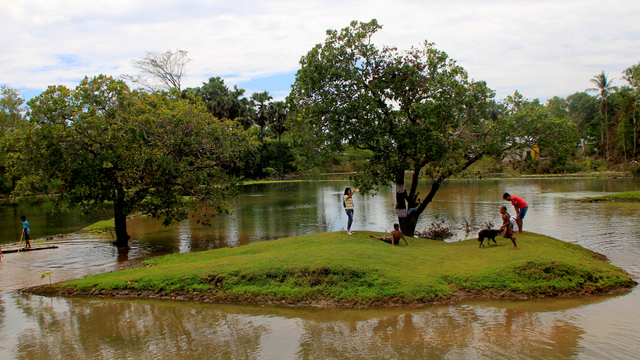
(335, 269)
(627, 196)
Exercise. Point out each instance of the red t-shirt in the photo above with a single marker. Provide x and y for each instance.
(517, 202)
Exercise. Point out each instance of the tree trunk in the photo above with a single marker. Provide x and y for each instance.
(624, 140)
(261, 172)
(120, 219)
(635, 130)
(280, 154)
(606, 124)
(408, 224)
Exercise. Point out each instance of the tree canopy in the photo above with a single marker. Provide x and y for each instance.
(416, 110)
(149, 152)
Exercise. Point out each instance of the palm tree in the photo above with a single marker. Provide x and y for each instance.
(259, 101)
(604, 90)
(278, 112)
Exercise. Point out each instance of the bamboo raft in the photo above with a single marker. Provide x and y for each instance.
(13, 249)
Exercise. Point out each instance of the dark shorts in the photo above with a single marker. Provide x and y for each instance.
(26, 236)
(388, 241)
(523, 212)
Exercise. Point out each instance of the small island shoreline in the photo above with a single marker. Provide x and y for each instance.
(460, 296)
(310, 272)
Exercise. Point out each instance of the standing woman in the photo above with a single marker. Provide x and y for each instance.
(347, 202)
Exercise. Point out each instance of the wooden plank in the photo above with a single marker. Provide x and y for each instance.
(12, 250)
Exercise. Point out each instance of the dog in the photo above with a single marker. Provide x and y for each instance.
(489, 235)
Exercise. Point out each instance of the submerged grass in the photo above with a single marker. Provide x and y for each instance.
(358, 270)
(622, 196)
(100, 227)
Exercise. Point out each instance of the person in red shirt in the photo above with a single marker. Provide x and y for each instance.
(520, 206)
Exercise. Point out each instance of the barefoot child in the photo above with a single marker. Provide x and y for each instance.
(509, 226)
(26, 230)
(394, 239)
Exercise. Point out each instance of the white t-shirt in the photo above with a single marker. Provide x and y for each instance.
(514, 223)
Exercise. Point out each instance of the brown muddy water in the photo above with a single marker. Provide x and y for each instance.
(595, 327)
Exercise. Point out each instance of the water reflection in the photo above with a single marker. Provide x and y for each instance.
(105, 329)
(33, 327)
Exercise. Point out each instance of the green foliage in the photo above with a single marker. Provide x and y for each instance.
(531, 123)
(222, 102)
(149, 152)
(11, 121)
(583, 111)
(360, 270)
(42, 276)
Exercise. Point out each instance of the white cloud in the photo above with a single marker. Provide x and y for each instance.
(542, 48)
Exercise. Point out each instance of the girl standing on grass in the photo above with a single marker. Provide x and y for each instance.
(347, 202)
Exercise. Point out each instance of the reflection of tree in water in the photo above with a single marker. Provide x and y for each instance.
(2, 315)
(83, 329)
(72, 328)
(458, 332)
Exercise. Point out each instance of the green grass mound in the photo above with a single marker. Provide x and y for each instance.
(630, 196)
(342, 270)
(101, 227)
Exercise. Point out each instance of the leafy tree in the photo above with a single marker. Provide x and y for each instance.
(558, 107)
(583, 111)
(415, 110)
(604, 88)
(149, 152)
(278, 115)
(632, 75)
(624, 104)
(160, 70)
(532, 123)
(262, 118)
(224, 103)
(11, 120)
(11, 110)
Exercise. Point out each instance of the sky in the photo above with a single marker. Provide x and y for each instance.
(539, 48)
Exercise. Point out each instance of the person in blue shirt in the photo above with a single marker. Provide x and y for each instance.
(26, 230)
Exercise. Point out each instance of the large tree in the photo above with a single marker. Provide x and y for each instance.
(11, 120)
(149, 152)
(416, 110)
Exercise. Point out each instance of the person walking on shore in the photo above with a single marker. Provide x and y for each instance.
(347, 202)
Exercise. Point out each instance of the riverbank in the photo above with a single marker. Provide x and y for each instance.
(480, 176)
(337, 270)
(627, 196)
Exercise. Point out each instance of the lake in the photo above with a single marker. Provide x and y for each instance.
(35, 327)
